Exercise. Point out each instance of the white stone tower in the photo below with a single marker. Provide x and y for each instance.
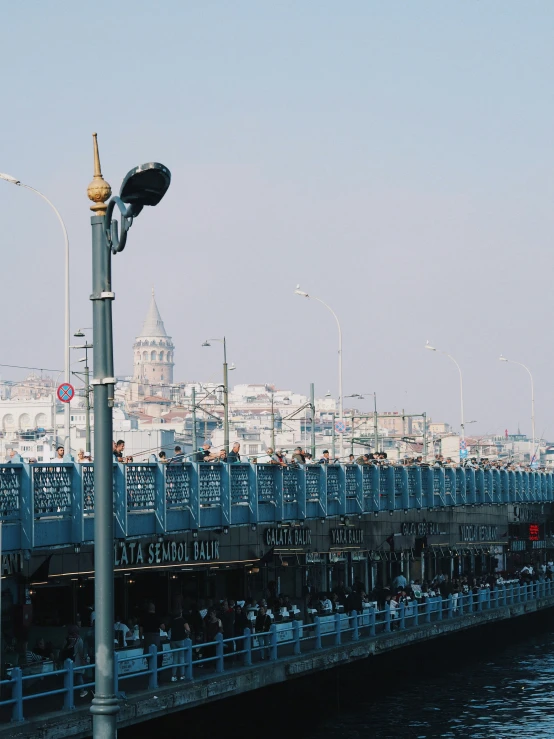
(153, 351)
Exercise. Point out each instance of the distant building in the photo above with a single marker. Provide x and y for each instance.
(153, 358)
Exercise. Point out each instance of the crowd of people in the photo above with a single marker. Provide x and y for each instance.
(301, 457)
(202, 621)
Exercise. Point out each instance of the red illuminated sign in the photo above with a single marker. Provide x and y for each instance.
(533, 532)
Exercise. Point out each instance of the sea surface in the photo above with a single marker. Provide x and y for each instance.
(498, 685)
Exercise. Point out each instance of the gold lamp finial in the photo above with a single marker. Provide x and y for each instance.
(99, 190)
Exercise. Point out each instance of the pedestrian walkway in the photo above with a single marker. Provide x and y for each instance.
(325, 643)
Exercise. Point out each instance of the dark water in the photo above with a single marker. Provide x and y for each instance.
(495, 684)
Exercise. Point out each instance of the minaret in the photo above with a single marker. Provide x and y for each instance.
(153, 352)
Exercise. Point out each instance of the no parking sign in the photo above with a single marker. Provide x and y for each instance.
(66, 392)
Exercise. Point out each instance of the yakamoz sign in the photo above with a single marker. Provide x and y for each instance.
(127, 553)
(346, 536)
(420, 528)
(292, 536)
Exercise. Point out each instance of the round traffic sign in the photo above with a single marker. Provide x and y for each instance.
(66, 392)
(340, 427)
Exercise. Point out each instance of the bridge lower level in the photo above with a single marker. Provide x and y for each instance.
(48, 707)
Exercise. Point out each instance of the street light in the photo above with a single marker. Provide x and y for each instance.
(226, 370)
(501, 358)
(86, 346)
(361, 396)
(303, 294)
(66, 341)
(144, 185)
(433, 349)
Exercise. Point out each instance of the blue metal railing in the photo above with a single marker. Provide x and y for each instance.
(53, 503)
(251, 649)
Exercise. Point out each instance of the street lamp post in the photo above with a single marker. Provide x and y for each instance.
(361, 396)
(503, 359)
(433, 349)
(303, 294)
(79, 334)
(67, 340)
(226, 370)
(144, 185)
(272, 421)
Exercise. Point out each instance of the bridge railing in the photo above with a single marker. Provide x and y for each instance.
(53, 503)
(192, 661)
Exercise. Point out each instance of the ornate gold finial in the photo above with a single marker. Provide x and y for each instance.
(99, 190)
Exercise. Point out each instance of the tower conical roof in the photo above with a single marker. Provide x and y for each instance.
(153, 324)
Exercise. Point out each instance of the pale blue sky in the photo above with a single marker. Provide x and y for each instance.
(394, 158)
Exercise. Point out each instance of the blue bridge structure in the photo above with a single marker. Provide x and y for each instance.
(50, 504)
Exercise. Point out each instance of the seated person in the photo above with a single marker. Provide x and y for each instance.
(43, 650)
(28, 657)
(122, 632)
(325, 605)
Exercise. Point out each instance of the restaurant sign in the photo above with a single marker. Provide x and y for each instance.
(420, 528)
(347, 536)
(292, 536)
(475, 532)
(127, 553)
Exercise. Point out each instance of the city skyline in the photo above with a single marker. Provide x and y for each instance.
(393, 161)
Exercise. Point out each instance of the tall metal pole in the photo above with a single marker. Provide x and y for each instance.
(424, 437)
(462, 423)
(312, 406)
(272, 423)
(67, 339)
(341, 406)
(194, 442)
(104, 706)
(225, 399)
(375, 423)
(333, 439)
(87, 404)
(503, 359)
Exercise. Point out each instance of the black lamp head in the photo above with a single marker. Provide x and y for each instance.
(145, 185)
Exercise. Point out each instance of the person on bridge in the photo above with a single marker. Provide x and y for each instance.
(399, 582)
(74, 649)
(262, 627)
(234, 454)
(151, 625)
(180, 630)
(298, 456)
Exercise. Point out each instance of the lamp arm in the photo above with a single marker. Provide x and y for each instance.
(115, 242)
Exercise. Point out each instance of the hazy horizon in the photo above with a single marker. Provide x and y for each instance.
(394, 159)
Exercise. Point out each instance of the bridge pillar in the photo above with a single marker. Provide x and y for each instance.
(152, 660)
(247, 647)
(355, 628)
(337, 629)
(219, 666)
(273, 642)
(317, 633)
(68, 684)
(296, 636)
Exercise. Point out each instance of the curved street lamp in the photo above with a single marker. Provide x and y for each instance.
(502, 358)
(303, 294)
(143, 185)
(433, 349)
(226, 368)
(67, 337)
